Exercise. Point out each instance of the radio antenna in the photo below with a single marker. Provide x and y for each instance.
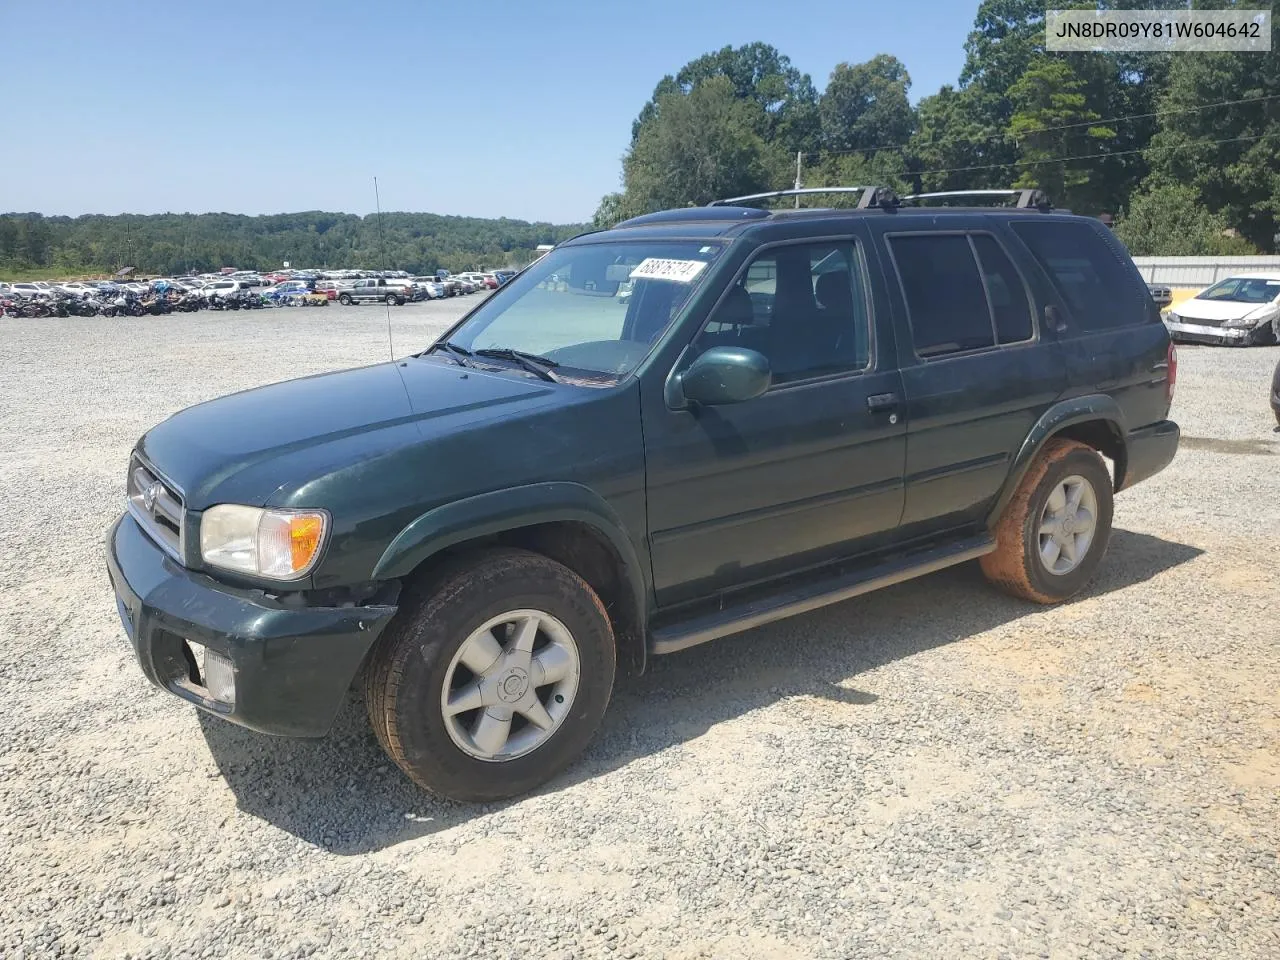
(382, 247)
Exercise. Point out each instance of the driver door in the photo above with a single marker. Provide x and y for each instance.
(810, 471)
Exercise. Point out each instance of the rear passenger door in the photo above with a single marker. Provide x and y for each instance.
(1113, 340)
(977, 370)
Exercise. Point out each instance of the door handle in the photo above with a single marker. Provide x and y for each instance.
(879, 402)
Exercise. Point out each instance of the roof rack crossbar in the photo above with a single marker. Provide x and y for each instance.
(1026, 198)
(871, 196)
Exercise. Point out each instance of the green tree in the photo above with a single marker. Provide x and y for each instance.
(1006, 35)
(609, 212)
(1229, 154)
(8, 239)
(1051, 120)
(886, 168)
(759, 74)
(866, 105)
(171, 243)
(959, 143)
(1170, 221)
(695, 148)
(34, 240)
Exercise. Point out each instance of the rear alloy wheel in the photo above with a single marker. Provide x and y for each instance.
(1054, 532)
(345, 300)
(391, 300)
(1067, 525)
(494, 676)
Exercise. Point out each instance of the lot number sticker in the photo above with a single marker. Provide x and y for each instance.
(678, 271)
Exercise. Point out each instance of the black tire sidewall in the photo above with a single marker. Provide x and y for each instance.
(427, 647)
(1083, 463)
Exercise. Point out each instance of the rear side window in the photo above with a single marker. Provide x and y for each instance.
(1099, 287)
(1009, 307)
(944, 294)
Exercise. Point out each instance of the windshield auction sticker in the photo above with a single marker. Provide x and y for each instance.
(1157, 31)
(678, 271)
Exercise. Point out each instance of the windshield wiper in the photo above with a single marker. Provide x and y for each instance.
(460, 354)
(540, 366)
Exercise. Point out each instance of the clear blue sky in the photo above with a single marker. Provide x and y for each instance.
(513, 107)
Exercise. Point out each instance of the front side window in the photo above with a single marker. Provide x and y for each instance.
(593, 310)
(803, 306)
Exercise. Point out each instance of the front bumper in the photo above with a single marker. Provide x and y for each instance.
(1148, 450)
(292, 665)
(1184, 331)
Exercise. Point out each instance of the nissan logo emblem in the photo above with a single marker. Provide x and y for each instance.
(149, 495)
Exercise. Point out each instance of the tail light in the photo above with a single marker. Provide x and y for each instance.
(1173, 372)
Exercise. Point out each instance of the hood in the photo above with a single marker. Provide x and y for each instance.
(224, 450)
(1195, 309)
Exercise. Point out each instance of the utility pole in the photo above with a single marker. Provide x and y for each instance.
(799, 159)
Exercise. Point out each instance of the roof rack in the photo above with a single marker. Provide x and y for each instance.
(1026, 198)
(881, 197)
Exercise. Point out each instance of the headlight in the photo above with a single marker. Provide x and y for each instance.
(279, 544)
(1241, 322)
(1172, 316)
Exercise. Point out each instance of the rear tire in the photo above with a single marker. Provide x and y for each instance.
(478, 609)
(1054, 532)
(345, 300)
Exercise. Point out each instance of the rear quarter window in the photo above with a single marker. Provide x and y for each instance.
(1095, 278)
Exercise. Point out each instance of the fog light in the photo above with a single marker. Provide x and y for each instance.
(219, 677)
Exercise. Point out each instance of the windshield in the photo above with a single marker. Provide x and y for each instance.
(596, 308)
(1243, 290)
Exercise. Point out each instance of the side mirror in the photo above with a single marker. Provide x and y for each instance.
(720, 375)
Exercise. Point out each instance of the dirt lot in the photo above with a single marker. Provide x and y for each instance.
(932, 771)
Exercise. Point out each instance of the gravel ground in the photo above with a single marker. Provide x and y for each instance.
(934, 770)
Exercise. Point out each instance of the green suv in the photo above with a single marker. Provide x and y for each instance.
(656, 435)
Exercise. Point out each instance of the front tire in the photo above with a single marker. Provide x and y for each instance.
(494, 677)
(1054, 532)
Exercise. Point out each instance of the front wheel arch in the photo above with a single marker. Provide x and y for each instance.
(566, 522)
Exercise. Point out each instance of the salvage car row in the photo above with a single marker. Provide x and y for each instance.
(331, 285)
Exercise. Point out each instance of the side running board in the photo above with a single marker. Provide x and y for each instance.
(757, 611)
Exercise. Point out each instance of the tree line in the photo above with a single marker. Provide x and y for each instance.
(170, 244)
(1182, 149)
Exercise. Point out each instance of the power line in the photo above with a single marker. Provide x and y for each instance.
(1065, 126)
(1083, 156)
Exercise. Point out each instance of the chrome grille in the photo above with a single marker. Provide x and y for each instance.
(1202, 321)
(157, 507)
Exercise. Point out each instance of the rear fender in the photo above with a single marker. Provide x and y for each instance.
(1059, 417)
